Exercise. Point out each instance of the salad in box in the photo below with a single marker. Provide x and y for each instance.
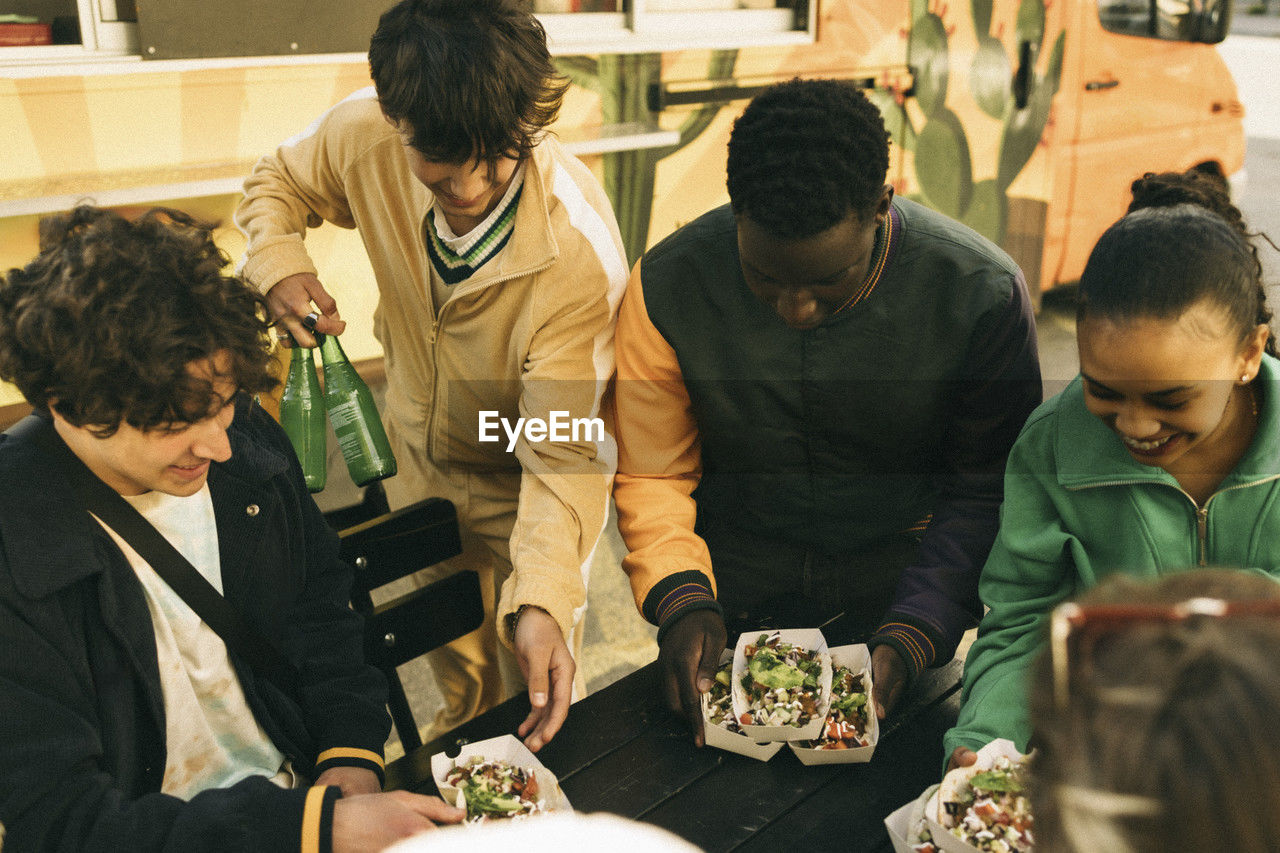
(497, 779)
(782, 684)
(984, 808)
(852, 728)
(720, 724)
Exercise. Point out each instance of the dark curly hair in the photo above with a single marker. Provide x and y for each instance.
(805, 153)
(103, 324)
(1209, 191)
(468, 78)
(1159, 261)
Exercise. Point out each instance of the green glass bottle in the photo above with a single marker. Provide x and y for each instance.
(302, 416)
(354, 416)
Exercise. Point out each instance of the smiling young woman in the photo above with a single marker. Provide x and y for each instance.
(1163, 455)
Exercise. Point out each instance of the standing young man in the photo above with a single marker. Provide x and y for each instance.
(499, 269)
(126, 722)
(818, 385)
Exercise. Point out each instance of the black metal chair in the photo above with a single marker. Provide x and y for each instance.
(393, 546)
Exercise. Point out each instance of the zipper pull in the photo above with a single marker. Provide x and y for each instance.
(1202, 530)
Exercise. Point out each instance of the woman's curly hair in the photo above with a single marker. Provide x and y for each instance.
(806, 153)
(104, 323)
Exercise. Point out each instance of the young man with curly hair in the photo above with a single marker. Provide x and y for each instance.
(127, 723)
(499, 269)
(818, 385)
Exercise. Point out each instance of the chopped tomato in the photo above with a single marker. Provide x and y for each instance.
(985, 809)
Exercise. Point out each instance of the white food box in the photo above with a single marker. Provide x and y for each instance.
(504, 748)
(905, 823)
(942, 837)
(807, 638)
(722, 738)
(857, 658)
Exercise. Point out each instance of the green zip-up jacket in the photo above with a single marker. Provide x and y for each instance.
(1077, 508)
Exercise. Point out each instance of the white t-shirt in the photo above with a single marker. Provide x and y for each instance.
(211, 736)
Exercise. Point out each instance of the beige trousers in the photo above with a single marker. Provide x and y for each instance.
(476, 671)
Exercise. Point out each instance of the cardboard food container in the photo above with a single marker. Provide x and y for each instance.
(808, 638)
(942, 836)
(722, 738)
(505, 748)
(906, 823)
(857, 658)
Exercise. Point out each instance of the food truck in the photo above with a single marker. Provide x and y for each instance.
(1025, 119)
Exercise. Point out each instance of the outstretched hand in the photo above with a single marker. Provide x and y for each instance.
(548, 669)
(689, 657)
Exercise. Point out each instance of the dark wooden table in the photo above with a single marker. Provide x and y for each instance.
(622, 751)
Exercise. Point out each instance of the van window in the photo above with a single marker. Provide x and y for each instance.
(1172, 20)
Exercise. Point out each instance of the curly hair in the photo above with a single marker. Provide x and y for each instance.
(469, 79)
(806, 153)
(1159, 261)
(104, 322)
(1210, 191)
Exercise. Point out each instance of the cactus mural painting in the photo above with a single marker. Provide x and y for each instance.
(943, 167)
(943, 163)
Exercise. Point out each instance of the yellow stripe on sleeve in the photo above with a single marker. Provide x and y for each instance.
(311, 813)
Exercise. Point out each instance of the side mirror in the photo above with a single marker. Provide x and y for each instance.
(1215, 21)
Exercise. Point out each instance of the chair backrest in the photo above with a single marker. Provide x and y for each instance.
(393, 546)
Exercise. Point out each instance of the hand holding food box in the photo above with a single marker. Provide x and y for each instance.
(983, 808)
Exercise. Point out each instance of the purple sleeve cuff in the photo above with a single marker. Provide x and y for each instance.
(919, 650)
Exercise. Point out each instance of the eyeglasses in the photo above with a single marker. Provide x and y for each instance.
(1075, 628)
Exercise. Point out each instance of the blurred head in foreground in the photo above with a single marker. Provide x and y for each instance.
(1156, 709)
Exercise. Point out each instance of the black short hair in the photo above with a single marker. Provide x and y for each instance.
(1159, 261)
(105, 321)
(468, 79)
(806, 153)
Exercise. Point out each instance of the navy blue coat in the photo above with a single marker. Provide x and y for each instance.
(82, 728)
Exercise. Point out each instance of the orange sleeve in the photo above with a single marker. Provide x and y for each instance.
(659, 458)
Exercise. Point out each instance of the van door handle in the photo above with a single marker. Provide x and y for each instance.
(1099, 85)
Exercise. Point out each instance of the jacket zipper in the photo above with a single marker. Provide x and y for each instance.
(1202, 512)
(433, 340)
(1202, 532)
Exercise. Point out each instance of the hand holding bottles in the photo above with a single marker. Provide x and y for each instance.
(290, 300)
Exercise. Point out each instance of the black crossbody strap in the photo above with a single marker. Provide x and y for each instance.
(174, 569)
